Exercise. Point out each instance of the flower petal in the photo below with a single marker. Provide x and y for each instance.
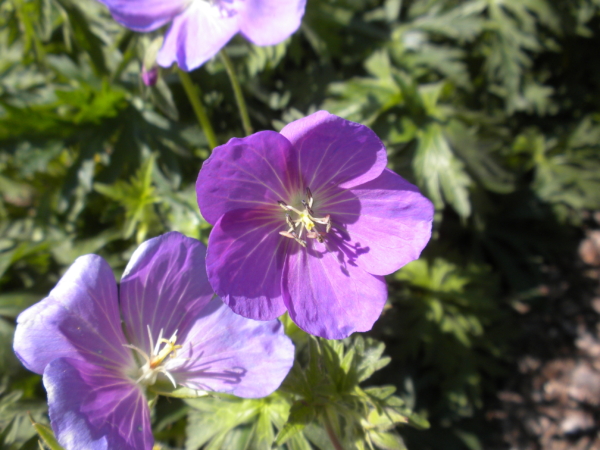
(245, 262)
(253, 172)
(92, 408)
(163, 287)
(268, 22)
(145, 15)
(332, 151)
(79, 319)
(197, 35)
(231, 354)
(392, 225)
(327, 294)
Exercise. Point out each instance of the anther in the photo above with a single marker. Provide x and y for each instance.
(306, 222)
(307, 207)
(288, 220)
(309, 197)
(294, 236)
(318, 235)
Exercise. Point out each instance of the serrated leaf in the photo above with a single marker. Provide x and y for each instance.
(440, 172)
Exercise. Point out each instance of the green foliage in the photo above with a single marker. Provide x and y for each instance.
(137, 197)
(489, 106)
(321, 395)
(448, 311)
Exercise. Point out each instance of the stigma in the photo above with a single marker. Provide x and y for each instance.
(306, 220)
(153, 363)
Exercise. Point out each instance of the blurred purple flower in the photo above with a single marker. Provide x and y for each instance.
(149, 76)
(200, 28)
(309, 220)
(96, 370)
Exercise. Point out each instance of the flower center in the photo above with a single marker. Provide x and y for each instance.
(305, 220)
(147, 374)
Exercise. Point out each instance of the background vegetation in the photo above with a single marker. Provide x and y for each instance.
(491, 106)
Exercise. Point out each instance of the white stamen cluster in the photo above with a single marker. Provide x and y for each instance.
(153, 365)
(306, 220)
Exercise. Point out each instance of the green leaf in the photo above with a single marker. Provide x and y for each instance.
(5, 433)
(232, 423)
(11, 304)
(264, 58)
(137, 197)
(381, 392)
(441, 172)
(387, 441)
(84, 36)
(300, 415)
(47, 435)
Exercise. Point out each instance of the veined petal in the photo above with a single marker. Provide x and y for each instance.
(231, 354)
(268, 22)
(197, 34)
(245, 262)
(92, 408)
(252, 172)
(332, 151)
(145, 15)
(79, 319)
(327, 294)
(392, 225)
(163, 287)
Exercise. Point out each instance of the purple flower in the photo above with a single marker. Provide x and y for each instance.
(200, 28)
(309, 221)
(100, 350)
(149, 76)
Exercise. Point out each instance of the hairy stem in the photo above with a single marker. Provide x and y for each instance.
(193, 93)
(237, 90)
(331, 433)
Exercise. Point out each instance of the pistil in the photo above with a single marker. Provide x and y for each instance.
(306, 220)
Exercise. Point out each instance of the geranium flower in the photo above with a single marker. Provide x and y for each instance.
(99, 350)
(200, 28)
(309, 220)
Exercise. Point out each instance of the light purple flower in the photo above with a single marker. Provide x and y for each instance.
(100, 350)
(150, 76)
(309, 221)
(200, 28)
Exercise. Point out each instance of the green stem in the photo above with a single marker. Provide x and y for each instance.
(237, 90)
(331, 433)
(193, 93)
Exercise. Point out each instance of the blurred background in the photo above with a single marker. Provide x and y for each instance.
(492, 107)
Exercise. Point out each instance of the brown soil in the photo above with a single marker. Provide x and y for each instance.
(553, 400)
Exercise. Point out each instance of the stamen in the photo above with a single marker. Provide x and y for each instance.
(154, 362)
(141, 352)
(170, 377)
(150, 337)
(306, 220)
(309, 197)
(160, 339)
